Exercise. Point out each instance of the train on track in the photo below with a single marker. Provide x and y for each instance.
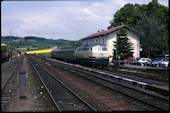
(92, 55)
(5, 54)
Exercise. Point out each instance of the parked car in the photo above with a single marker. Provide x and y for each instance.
(156, 62)
(130, 60)
(144, 61)
(165, 63)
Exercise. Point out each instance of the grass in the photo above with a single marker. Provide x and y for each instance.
(45, 54)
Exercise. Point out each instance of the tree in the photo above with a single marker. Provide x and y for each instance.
(124, 47)
(66, 44)
(128, 15)
(77, 43)
(151, 21)
(152, 34)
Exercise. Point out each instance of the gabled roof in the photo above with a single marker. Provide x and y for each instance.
(108, 31)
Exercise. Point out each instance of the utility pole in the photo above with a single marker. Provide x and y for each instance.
(116, 46)
(10, 44)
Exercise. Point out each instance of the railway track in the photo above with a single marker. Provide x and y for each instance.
(6, 65)
(147, 75)
(9, 83)
(160, 79)
(63, 97)
(141, 96)
(7, 72)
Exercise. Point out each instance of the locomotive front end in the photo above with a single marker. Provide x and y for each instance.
(100, 55)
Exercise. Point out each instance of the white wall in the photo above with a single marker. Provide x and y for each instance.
(136, 43)
(108, 41)
(111, 38)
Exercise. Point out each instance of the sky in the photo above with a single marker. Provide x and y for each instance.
(68, 19)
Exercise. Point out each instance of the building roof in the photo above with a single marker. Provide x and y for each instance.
(108, 31)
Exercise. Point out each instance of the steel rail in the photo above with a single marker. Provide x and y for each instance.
(6, 80)
(87, 104)
(148, 76)
(58, 108)
(138, 99)
(165, 92)
(70, 90)
(158, 107)
(7, 66)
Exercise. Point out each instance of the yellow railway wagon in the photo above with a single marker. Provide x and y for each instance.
(39, 51)
(3, 44)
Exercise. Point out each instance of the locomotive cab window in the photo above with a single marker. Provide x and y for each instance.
(91, 49)
(104, 49)
(97, 48)
(85, 49)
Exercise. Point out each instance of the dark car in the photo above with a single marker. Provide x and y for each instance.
(156, 62)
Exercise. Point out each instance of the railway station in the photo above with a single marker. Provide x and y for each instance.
(85, 56)
(82, 78)
(38, 83)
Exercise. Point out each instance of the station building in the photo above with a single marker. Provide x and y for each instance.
(108, 37)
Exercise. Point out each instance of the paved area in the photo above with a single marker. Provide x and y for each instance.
(32, 96)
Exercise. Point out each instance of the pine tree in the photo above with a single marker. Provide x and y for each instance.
(124, 47)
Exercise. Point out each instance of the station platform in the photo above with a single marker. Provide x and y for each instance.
(137, 66)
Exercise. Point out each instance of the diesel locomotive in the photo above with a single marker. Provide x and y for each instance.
(92, 55)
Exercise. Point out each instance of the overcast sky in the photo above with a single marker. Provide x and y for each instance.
(71, 20)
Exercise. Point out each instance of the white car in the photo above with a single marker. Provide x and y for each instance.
(144, 61)
(165, 63)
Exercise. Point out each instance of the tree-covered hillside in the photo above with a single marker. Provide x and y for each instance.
(34, 43)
